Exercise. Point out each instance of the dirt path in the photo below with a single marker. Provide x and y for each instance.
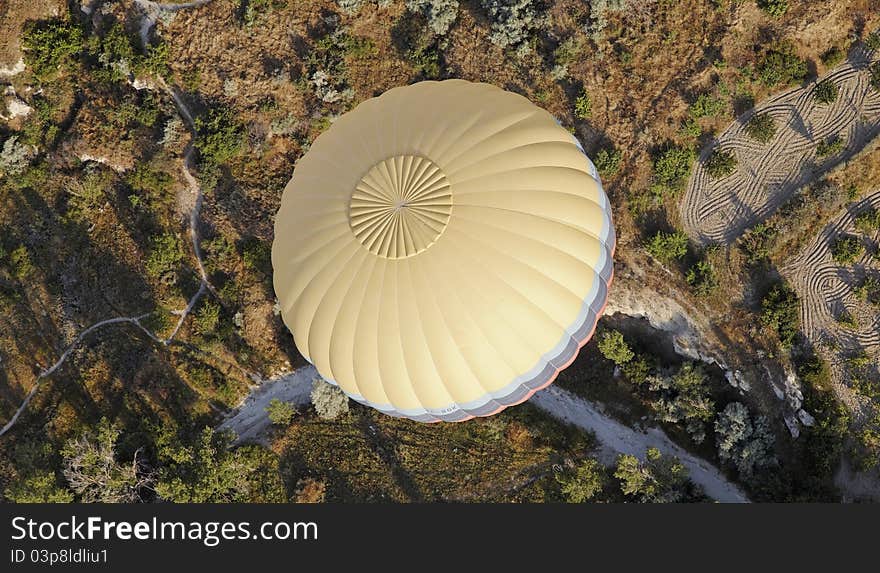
(152, 10)
(190, 196)
(250, 421)
(720, 210)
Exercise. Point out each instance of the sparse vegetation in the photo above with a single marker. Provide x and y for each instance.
(583, 106)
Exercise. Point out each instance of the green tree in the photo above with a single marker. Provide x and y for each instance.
(744, 443)
(41, 487)
(50, 45)
(659, 479)
(607, 162)
(280, 413)
(582, 483)
(671, 169)
(614, 347)
(94, 473)
(779, 311)
(668, 247)
(208, 469)
(218, 135)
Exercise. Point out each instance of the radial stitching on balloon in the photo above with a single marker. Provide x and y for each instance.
(400, 207)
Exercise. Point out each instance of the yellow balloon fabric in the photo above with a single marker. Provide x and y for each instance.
(443, 251)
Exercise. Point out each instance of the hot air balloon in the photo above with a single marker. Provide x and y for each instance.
(443, 250)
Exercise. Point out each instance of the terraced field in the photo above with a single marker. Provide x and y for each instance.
(717, 211)
(834, 317)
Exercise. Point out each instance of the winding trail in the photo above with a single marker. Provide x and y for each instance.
(152, 10)
(192, 196)
(718, 211)
(249, 422)
(135, 320)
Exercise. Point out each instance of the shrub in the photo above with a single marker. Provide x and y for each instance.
(599, 11)
(614, 347)
(207, 318)
(825, 92)
(744, 443)
(668, 247)
(218, 135)
(583, 483)
(14, 157)
(761, 127)
(41, 487)
(672, 168)
(869, 290)
(20, 262)
(512, 22)
(706, 105)
(659, 479)
(779, 311)
(830, 146)
(583, 106)
(874, 70)
(847, 250)
(868, 221)
(280, 413)
(872, 41)
(833, 56)
(350, 7)
(165, 256)
(757, 241)
(607, 162)
(440, 14)
(50, 44)
(329, 400)
(781, 66)
(721, 164)
(774, 8)
(702, 278)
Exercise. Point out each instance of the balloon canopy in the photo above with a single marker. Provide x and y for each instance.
(443, 251)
